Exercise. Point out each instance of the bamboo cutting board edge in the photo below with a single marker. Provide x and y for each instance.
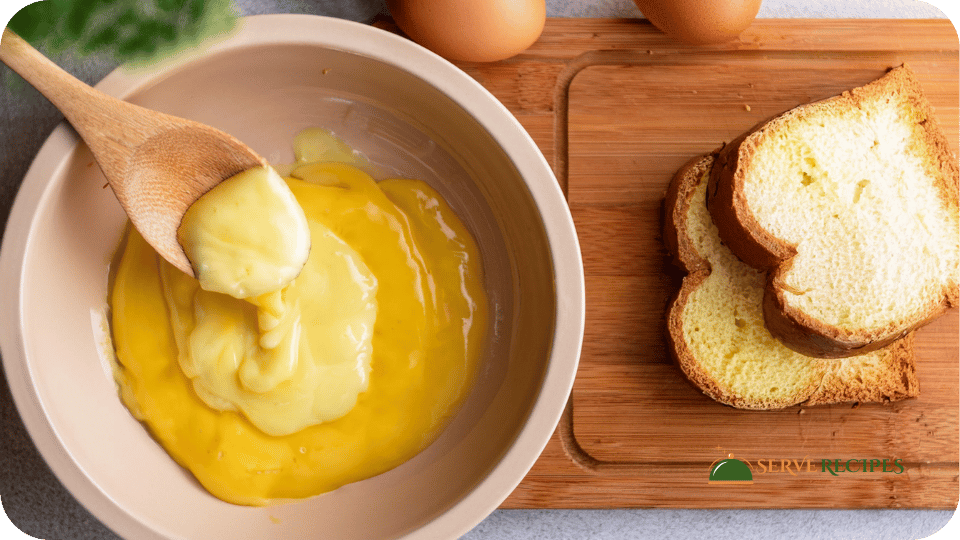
(538, 98)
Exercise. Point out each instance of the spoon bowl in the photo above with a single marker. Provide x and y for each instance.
(157, 164)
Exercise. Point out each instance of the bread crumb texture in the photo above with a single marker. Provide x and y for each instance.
(865, 188)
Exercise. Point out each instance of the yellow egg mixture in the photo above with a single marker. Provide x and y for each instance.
(292, 387)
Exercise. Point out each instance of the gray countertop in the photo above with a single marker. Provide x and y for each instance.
(37, 503)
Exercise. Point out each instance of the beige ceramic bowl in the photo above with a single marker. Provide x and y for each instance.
(409, 111)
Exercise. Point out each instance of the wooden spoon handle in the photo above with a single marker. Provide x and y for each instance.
(157, 164)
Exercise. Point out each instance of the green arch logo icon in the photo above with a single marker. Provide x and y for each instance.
(730, 471)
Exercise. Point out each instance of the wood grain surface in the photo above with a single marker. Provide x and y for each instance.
(617, 107)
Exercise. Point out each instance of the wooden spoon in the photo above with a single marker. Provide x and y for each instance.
(156, 164)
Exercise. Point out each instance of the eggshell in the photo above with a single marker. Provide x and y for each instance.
(471, 30)
(699, 22)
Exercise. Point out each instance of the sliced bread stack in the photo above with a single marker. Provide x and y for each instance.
(717, 332)
(814, 245)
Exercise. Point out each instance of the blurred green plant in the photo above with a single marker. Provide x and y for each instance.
(131, 31)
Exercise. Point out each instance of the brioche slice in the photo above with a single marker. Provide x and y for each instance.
(852, 203)
(716, 330)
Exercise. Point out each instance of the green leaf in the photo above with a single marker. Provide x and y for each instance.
(33, 22)
(101, 40)
(77, 18)
(171, 6)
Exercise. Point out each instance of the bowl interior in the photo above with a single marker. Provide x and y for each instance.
(264, 94)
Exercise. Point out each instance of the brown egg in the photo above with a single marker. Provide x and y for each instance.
(700, 22)
(471, 30)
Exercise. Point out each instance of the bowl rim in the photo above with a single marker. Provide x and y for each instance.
(365, 40)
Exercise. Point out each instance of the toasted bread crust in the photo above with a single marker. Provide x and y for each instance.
(890, 378)
(793, 326)
(676, 205)
(746, 238)
(679, 244)
(739, 229)
(895, 380)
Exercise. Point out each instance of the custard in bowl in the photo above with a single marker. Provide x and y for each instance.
(413, 116)
(351, 367)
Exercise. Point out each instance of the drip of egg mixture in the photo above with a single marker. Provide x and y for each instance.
(347, 371)
(289, 359)
(245, 349)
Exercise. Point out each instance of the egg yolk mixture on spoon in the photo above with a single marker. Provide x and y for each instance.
(334, 328)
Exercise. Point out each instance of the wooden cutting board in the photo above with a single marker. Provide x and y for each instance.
(617, 107)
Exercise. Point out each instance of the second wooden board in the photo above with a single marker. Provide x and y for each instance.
(631, 125)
